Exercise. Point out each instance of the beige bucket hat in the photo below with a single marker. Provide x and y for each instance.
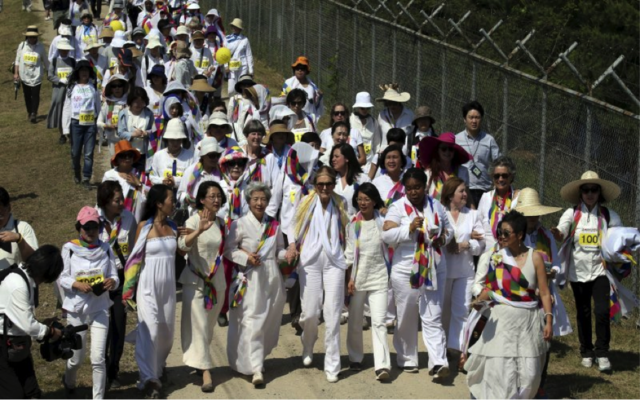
(237, 22)
(175, 130)
(529, 204)
(571, 191)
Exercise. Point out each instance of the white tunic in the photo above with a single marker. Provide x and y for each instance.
(460, 265)
(347, 191)
(163, 165)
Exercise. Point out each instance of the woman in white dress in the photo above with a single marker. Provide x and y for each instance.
(150, 282)
(467, 242)
(203, 283)
(255, 245)
(499, 201)
(507, 360)
(300, 80)
(320, 227)
(369, 265)
(350, 176)
(441, 158)
(241, 56)
(417, 227)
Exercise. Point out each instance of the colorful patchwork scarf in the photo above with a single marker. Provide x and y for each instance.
(115, 231)
(193, 179)
(423, 271)
(395, 194)
(88, 251)
(265, 246)
(387, 253)
(209, 290)
(438, 183)
(135, 263)
(296, 172)
(506, 279)
(255, 174)
(543, 244)
(499, 207)
(155, 136)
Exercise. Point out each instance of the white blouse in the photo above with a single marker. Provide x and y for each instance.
(202, 253)
(461, 265)
(372, 270)
(347, 191)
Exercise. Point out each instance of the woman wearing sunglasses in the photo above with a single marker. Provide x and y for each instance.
(321, 220)
(495, 204)
(417, 228)
(340, 113)
(300, 80)
(581, 230)
(301, 122)
(511, 281)
(89, 274)
(366, 125)
(441, 158)
(204, 170)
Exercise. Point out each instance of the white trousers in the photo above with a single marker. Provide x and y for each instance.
(314, 279)
(391, 307)
(427, 304)
(196, 326)
(99, 325)
(378, 306)
(457, 300)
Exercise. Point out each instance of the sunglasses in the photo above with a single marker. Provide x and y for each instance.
(503, 233)
(298, 103)
(232, 164)
(324, 185)
(91, 226)
(126, 155)
(446, 149)
(503, 176)
(590, 189)
(343, 113)
(114, 86)
(299, 68)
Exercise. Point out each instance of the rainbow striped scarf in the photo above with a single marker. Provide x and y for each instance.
(155, 136)
(235, 200)
(543, 244)
(115, 231)
(439, 183)
(395, 194)
(296, 172)
(256, 173)
(507, 280)
(387, 253)
(209, 290)
(135, 263)
(193, 179)
(499, 207)
(267, 241)
(88, 251)
(423, 271)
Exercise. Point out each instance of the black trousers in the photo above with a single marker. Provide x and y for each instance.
(17, 379)
(476, 195)
(117, 331)
(31, 98)
(295, 304)
(597, 289)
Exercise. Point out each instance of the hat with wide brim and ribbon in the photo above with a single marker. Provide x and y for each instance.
(32, 31)
(124, 146)
(279, 128)
(529, 204)
(392, 93)
(244, 80)
(429, 146)
(64, 44)
(571, 191)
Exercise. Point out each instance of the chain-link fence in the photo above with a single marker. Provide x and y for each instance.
(554, 134)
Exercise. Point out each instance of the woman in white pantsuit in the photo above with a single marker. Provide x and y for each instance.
(203, 283)
(320, 224)
(468, 241)
(417, 227)
(257, 295)
(369, 263)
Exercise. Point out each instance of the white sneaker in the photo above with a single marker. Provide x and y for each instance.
(587, 362)
(603, 364)
(258, 379)
(307, 360)
(29, 9)
(332, 378)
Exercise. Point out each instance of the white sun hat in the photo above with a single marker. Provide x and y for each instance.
(175, 130)
(363, 100)
(209, 145)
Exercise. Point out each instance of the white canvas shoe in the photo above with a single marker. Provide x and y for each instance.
(587, 362)
(603, 364)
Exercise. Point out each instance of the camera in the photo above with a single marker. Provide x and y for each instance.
(63, 347)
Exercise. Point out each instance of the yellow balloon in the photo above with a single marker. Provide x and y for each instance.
(223, 55)
(116, 26)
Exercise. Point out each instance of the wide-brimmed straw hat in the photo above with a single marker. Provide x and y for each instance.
(32, 31)
(423, 112)
(107, 32)
(200, 85)
(529, 204)
(280, 128)
(245, 79)
(429, 146)
(64, 44)
(392, 93)
(302, 60)
(363, 100)
(571, 191)
(175, 130)
(124, 146)
(237, 22)
(92, 44)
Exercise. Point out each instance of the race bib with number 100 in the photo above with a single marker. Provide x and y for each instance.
(589, 240)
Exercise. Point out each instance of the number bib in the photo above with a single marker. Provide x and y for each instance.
(589, 240)
(367, 148)
(292, 196)
(91, 276)
(87, 117)
(124, 248)
(89, 38)
(297, 133)
(235, 65)
(167, 173)
(64, 72)
(30, 58)
(203, 64)
(114, 119)
(112, 62)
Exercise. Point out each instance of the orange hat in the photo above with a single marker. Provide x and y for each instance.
(302, 60)
(124, 146)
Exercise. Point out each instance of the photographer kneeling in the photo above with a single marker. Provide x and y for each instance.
(18, 300)
(89, 273)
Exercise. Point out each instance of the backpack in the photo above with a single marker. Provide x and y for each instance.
(17, 348)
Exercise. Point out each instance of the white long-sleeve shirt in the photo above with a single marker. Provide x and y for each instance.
(76, 53)
(163, 163)
(461, 265)
(347, 191)
(32, 63)
(84, 100)
(386, 122)
(367, 132)
(240, 50)
(17, 303)
(7, 259)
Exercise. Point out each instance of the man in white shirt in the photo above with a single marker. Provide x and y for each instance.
(17, 239)
(18, 299)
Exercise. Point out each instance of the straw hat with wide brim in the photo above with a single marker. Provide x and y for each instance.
(279, 128)
(571, 191)
(237, 22)
(32, 31)
(124, 146)
(201, 85)
(392, 94)
(529, 204)
(429, 146)
(92, 44)
(244, 80)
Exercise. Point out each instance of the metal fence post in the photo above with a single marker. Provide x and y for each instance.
(292, 37)
(319, 61)
(443, 88)
(393, 68)
(304, 36)
(418, 66)
(543, 141)
(270, 35)
(505, 114)
(474, 66)
(373, 58)
(355, 46)
(282, 35)
(587, 145)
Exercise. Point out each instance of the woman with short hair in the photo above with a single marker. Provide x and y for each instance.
(203, 282)
(302, 121)
(204, 170)
(255, 245)
(136, 122)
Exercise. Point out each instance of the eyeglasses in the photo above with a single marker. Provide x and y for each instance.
(324, 185)
(503, 233)
(503, 176)
(343, 113)
(446, 149)
(214, 197)
(298, 103)
(590, 189)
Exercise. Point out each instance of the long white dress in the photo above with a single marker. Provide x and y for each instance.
(254, 325)
(156, 298)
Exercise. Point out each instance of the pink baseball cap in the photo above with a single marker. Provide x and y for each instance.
(88, 214)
